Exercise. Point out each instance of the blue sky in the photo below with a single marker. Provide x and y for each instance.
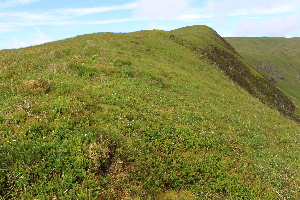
(30, 22)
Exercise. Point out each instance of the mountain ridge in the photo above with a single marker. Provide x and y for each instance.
(139, 115)
(276, 58)
(243, 74)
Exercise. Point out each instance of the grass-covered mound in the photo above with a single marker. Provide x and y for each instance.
(138, 115)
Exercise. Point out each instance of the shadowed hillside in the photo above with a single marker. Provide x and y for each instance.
(222, 55)
(143, 115)
(276, 58)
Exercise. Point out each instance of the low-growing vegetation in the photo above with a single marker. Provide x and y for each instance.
(139, 116)
(276, 58)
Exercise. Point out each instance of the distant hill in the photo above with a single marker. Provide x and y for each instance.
(276, 58)
(144, 115)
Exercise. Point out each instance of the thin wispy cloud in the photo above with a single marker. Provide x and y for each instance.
(6, 28)
(25, 16)
(37, 38)
(40, 38)
(18, 43)
(61, 16)
(111, 21)
(161, 9)
(194, 16)
(12, 3)
(93, 10)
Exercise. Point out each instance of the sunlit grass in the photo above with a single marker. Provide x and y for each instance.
(136, 115)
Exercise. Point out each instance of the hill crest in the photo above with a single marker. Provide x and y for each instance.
(146, 115)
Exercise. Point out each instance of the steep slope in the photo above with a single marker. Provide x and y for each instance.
(222, 55)
(276, 58)
(122, 116)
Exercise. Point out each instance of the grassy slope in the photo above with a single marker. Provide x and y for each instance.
(216, 50)
(276, 58)
(131, 115)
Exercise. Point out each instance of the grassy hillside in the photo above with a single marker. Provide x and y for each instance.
(144, 115)
(221, 55)
(276, 58)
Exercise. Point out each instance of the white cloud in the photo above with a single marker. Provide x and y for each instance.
(17, 19)
(161, 9)
(18, 43)
(220, 10)
(196, 14)
(264, 11)
(277, 26)
(12, 3)
(12, 26)
(4, 28)
(155, 25)
(25, 16)
(86, 11)
(247, 27)
(230, 5)
(105, 21)
(252, 18)
(40, 38)
(37, 38)
(281, 26)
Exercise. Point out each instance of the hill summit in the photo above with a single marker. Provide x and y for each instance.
(144, 115)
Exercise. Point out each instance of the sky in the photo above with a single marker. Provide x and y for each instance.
(31, 22)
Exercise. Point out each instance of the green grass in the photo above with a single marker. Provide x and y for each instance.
(138, 116)
(221, 55)
(276, 58)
